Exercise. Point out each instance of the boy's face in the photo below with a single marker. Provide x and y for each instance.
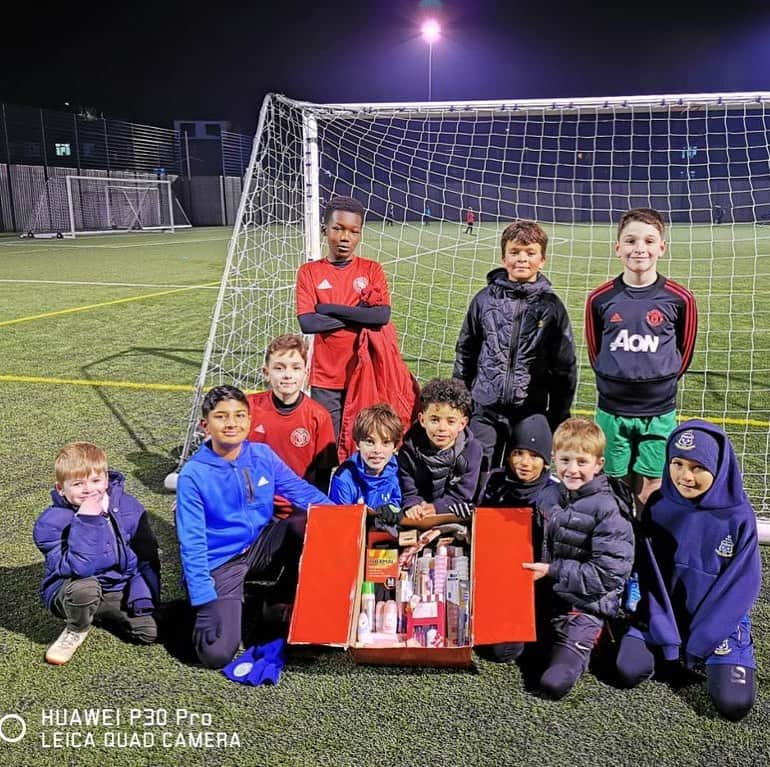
(343, 233)
(523, 262)
(574, 469)
(285, 373)
(376, 452)
(689, 478)
(81, 488)
(639, 247)
(443, 424)
(227, 425)
(526, 465)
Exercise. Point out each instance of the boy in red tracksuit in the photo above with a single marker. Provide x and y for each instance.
(297, 427)
(332, 305)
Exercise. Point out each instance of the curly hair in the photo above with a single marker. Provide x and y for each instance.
(446, 391)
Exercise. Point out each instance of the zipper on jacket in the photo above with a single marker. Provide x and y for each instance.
(513, 354)
(249, 485)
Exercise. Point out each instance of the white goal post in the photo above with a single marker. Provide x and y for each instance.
(70, 205)
(574, 165)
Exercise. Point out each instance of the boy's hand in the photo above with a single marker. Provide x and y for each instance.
(539, 569)
(414, 512)
(420, 511)
(91, 507)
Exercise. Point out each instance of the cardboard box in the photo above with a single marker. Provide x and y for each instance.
(331, 571)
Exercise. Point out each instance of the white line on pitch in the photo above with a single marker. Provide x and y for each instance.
(109, 284)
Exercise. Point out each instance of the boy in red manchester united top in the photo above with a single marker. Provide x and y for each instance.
(336, 297)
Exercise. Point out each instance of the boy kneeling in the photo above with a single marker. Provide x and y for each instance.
(101, 556)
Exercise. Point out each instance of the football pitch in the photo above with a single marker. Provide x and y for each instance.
(102, 338)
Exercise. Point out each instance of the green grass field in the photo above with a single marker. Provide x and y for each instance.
(102, 338)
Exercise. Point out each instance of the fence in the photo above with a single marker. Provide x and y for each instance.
(38, 143)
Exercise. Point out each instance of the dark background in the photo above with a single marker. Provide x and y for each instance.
(154, 62)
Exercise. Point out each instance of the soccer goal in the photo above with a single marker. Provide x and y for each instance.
(574, 165)
(73, 205)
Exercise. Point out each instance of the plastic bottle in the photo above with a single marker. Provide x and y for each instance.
(440, 568)
(367, 609)
(633, 593)
(389, 618)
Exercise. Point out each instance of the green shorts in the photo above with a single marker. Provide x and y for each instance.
(635, 444)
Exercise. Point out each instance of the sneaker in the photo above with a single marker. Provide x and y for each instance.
(62, 650)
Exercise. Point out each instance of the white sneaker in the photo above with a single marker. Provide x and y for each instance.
(62, 650)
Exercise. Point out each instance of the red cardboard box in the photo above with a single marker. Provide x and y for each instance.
(331, 570)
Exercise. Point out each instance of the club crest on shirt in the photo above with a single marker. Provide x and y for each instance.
(686, 440)
(359, 283)
(300, 437)
(726, 547)
(655, 317)
(723, 648)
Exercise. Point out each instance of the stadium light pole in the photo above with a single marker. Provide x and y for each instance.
(431, 31)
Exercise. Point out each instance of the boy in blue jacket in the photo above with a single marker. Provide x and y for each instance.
(699, 572)
(225, 523)
(101, 556)
(370, 475)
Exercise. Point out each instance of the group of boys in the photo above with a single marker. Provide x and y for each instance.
(487, 437)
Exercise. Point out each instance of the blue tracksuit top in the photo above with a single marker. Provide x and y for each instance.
(223, 506)
(701, 563)
(352, 484)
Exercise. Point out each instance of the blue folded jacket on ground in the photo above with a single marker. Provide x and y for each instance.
(259, 664)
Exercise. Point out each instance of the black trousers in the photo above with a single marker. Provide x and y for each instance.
(217, 629)
(334, 401)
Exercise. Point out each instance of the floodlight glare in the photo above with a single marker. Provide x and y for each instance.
(431, 31)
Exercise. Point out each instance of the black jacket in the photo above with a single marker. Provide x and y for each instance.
(590, 545)
(516, 349)
(440, 477)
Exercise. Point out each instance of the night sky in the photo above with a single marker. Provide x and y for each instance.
(154, 62)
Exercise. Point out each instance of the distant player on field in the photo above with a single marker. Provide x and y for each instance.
(470, 220)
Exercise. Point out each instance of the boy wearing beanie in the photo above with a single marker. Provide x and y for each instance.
(525, 482)
(699, 572)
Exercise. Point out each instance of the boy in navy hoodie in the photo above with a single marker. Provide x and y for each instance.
(225, 522)
(699, 572)
(101, 556)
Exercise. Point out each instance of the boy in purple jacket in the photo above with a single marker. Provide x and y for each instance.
(699, 572)
(101, 556)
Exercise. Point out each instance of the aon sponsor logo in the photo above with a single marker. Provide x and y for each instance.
(634, 343)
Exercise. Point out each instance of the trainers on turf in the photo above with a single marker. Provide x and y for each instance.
(62, 650)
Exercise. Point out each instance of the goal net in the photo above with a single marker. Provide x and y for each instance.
(574, 165)
(72, 205)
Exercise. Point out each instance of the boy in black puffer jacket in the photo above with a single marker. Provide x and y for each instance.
(515, 352)
(589, 551)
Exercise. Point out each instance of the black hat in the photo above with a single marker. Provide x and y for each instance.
(533, 433)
